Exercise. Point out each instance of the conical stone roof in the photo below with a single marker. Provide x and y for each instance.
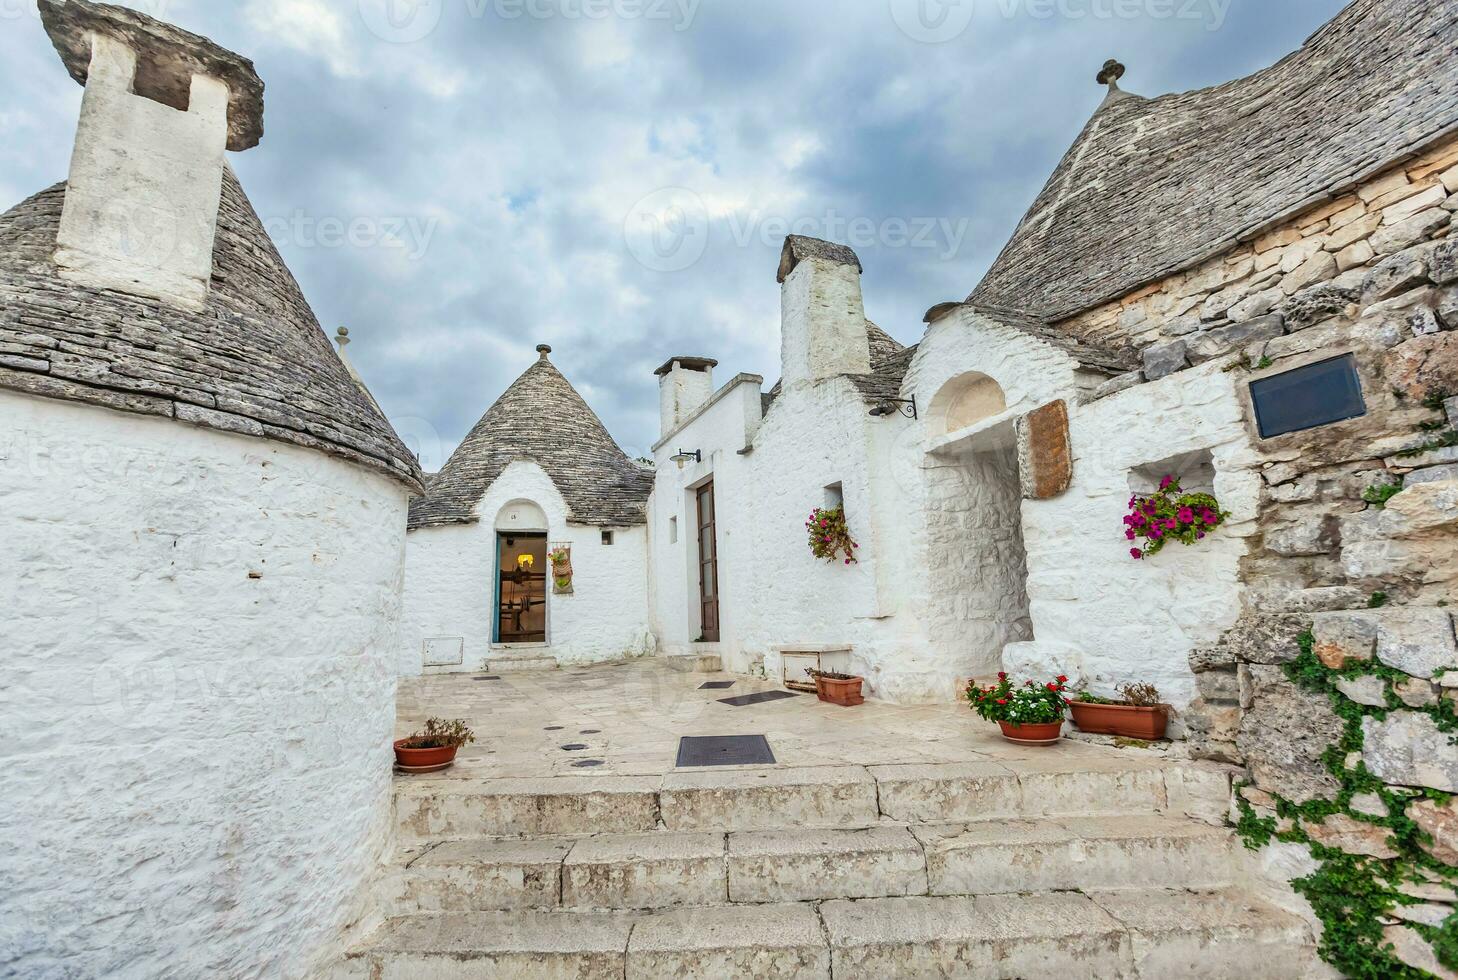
(1154, 186)
(253, 362)
(540, 419)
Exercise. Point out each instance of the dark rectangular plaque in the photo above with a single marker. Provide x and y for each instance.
(1317, 394)
(724, 750)
(716, 685)
(759, 698)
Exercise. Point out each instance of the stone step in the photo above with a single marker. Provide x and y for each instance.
(508, 663)
(432, 809)
(694, 663)
(670, 869)
(1078, 854)
(1143, 933)
(764, 799)
(429, 809)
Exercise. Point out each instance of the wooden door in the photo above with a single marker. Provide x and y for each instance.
(708, 565)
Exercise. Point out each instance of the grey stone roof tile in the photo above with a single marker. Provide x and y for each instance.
(541, 419)
(255, 361)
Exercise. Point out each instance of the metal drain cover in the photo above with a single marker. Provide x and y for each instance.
(759, 698)
(716, 685)
(724, 750)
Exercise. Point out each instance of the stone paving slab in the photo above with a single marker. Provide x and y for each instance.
(803, 865)
(645, 871)
(1062, 936)
(1224, 935)
(760, 941)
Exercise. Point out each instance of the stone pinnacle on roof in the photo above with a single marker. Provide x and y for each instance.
(543, 350)
(1111, 73)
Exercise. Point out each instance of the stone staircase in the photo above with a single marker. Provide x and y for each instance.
(1031, 868)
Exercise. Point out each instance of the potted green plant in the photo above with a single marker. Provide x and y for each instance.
(841, 689)
(1029, 714)
(433, 747)
(1138, 713)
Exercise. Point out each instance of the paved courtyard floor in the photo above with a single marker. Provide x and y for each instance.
(626, 719)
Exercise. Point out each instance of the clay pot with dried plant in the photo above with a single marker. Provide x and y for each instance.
(841, 689)
(433, 747)
(1138, 713)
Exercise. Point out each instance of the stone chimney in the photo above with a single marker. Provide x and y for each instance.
(685, 384)
(161, 106)
(822, 319)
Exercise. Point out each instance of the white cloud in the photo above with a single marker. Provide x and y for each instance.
(311, 27)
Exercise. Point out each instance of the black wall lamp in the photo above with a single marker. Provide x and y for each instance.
(890, 406)
(682, 457)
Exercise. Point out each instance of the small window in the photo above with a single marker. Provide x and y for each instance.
(1314, 395)
(673, 530)
(834, 496)
(607, 537)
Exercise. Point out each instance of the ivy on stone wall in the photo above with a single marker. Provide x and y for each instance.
(1355, 895)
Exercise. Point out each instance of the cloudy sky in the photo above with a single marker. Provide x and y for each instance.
(460, 180)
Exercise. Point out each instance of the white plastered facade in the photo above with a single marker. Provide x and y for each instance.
(451, 572)
(958, 576)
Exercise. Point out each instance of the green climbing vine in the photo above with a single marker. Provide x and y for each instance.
(1354, 895)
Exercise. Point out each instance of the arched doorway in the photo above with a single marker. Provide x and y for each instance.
(976, 561)
(520, 586)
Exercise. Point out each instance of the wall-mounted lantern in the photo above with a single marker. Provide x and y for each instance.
(890, 406)
(683, 456)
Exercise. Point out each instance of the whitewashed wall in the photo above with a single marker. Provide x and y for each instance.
(450, 582)
(773, 591)
(195, 723)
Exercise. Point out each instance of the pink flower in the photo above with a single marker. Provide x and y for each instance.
(1136, 554)
(1209, 517)
(1170, 523)
(1140, 520)
(1187, 515)
(1166, 483)
(1156, 532)
(1130, 535)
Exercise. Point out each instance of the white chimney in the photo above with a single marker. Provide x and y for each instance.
(161, 106)
(684, 385)
(822, 318)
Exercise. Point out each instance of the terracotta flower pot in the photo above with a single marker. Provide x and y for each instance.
(1147, 724)
(423, 760)
(1045, 734)
(846, 693)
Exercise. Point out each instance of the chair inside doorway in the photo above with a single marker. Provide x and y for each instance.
(521, 588)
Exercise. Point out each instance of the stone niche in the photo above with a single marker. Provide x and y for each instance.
(1195, 471)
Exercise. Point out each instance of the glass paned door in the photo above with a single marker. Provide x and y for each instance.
(521, 588)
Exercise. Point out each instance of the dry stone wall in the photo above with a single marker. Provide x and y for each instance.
(1336, 688)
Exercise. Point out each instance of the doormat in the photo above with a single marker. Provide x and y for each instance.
(716, 685)
(723, 750)
(493, 677)
(759, 698)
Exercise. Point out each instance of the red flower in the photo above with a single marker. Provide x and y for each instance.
(1062, 679)
(1001, 676)
(1002, 700)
